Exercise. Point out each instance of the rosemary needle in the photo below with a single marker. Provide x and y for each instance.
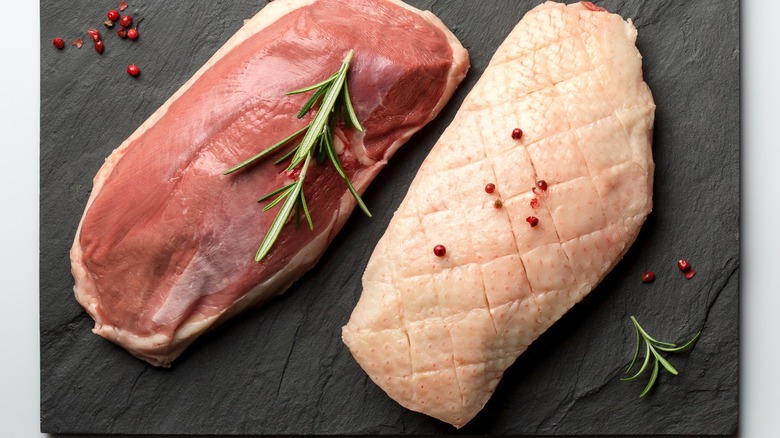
(266, 152)
(334, 100)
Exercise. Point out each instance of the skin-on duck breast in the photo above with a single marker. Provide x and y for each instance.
(529, 198)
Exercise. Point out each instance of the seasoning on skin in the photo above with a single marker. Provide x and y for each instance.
(541, 186)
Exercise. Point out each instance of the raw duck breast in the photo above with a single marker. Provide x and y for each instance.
(165, 247)
(436, 333)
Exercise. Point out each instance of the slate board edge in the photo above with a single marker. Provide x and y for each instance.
(76, 324)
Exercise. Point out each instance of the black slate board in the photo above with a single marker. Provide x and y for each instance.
(283, 368)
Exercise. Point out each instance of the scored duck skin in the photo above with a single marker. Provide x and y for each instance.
(437, 333)
(165, 247)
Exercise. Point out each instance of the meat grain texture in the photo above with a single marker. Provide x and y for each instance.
(437, 333)
(165, 247)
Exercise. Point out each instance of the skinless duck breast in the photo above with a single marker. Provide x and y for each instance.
(165, 247)
(436, 327)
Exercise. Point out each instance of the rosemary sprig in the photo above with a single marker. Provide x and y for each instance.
(652, 347)
(334, 88)
(332, 94)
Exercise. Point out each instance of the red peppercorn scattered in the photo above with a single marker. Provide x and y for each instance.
(99, 46)
(126, 21)
(133, 70)
(683, 265)
(517, 134)
(689, 274)
(490, 188)
(122, 33)
(113, 15)
(78, 42)
(132, 33)
(498, 204)
(648, 276)
(122, 6)
(58, 43)
(94, 35)
(541, 187)
(535, 203)
(440, 250)
(533, 220)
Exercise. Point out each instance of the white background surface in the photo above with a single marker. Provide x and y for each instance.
(760, 273)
